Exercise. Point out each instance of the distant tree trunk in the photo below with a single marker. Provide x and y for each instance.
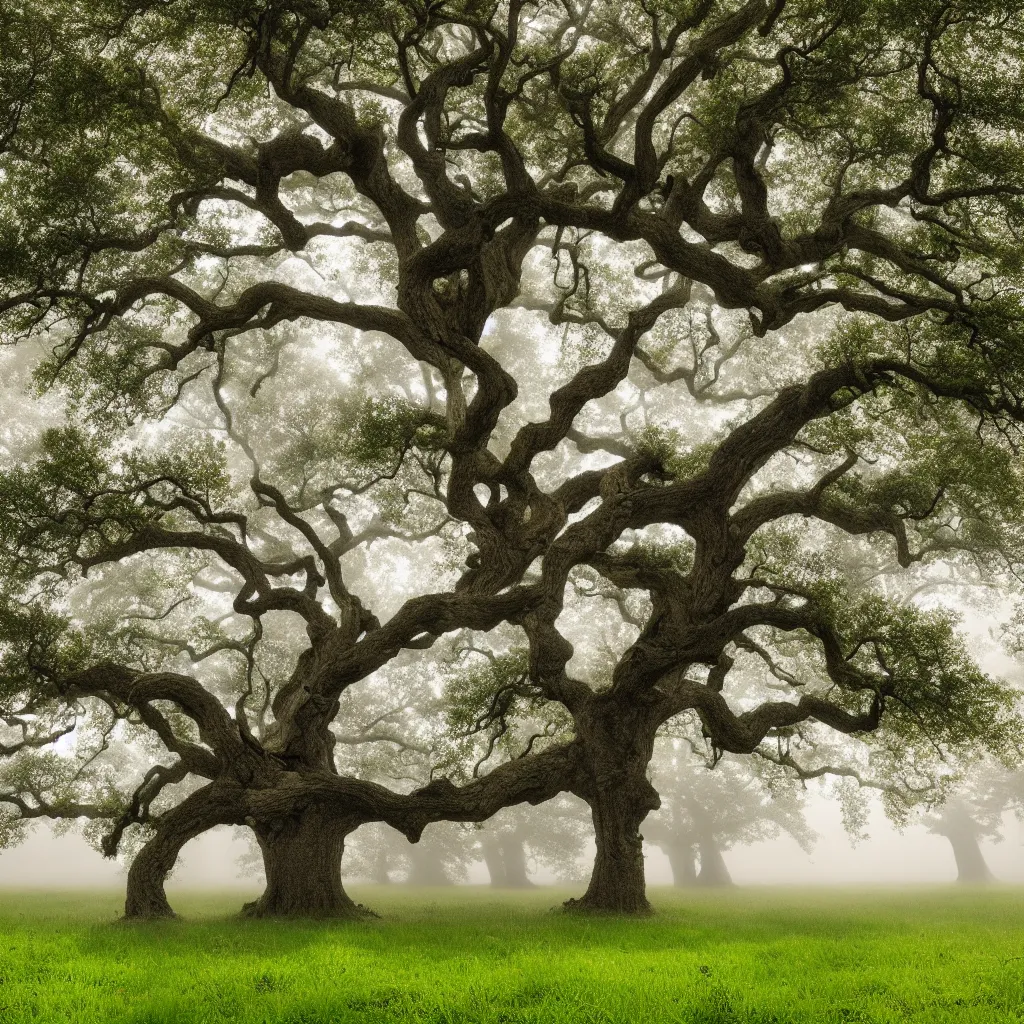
(956, 824)
(513, 855)
(682, 861)
(970, 861)
(490, 848)
(427, 867)
(713, 871)
(380, 868)
(302, 859)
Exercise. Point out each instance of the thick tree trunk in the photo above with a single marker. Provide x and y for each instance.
(618, 740)
(145, 897)
(970, 861)
(513, 855)
(490, 848)
(617, 884)
(713, 871)
(302, 859)
(427, 868)
(682, 861)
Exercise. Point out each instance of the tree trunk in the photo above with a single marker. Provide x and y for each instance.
(145, 897)
(713, 871)
(302, 859)
(617, 736)
(513, 855)
(970, 861)
(617, 884)
(427, 867)
(490, 849)
(684, 868)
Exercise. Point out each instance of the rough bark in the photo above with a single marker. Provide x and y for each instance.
(713, 870)
(617, 884)
(513, 855)
(302, 859)
(617, 739)
(145, 896)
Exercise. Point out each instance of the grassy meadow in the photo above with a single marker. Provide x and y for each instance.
(750, 956)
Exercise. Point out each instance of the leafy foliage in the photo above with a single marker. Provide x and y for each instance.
(653, 353)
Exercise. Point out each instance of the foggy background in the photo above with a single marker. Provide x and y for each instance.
(887, 857)
(46, 860)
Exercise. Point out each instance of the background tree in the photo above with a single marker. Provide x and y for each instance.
(706, 811)
(963, 824)
(380, 854)
(976, 811)
(519, 840)
(301, 271)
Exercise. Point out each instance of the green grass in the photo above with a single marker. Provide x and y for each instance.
(754, 956)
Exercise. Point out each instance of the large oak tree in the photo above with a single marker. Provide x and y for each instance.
(301, 269)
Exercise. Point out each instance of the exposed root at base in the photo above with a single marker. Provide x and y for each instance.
(353, 912)
(585, 906)
(137, 918)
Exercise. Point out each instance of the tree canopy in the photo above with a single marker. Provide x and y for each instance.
(603, 338)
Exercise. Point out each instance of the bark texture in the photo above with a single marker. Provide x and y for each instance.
(302, 859)
(617, 738)
(145, 895)
(617, 884)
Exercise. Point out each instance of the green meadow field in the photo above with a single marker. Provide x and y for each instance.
(749, 956)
